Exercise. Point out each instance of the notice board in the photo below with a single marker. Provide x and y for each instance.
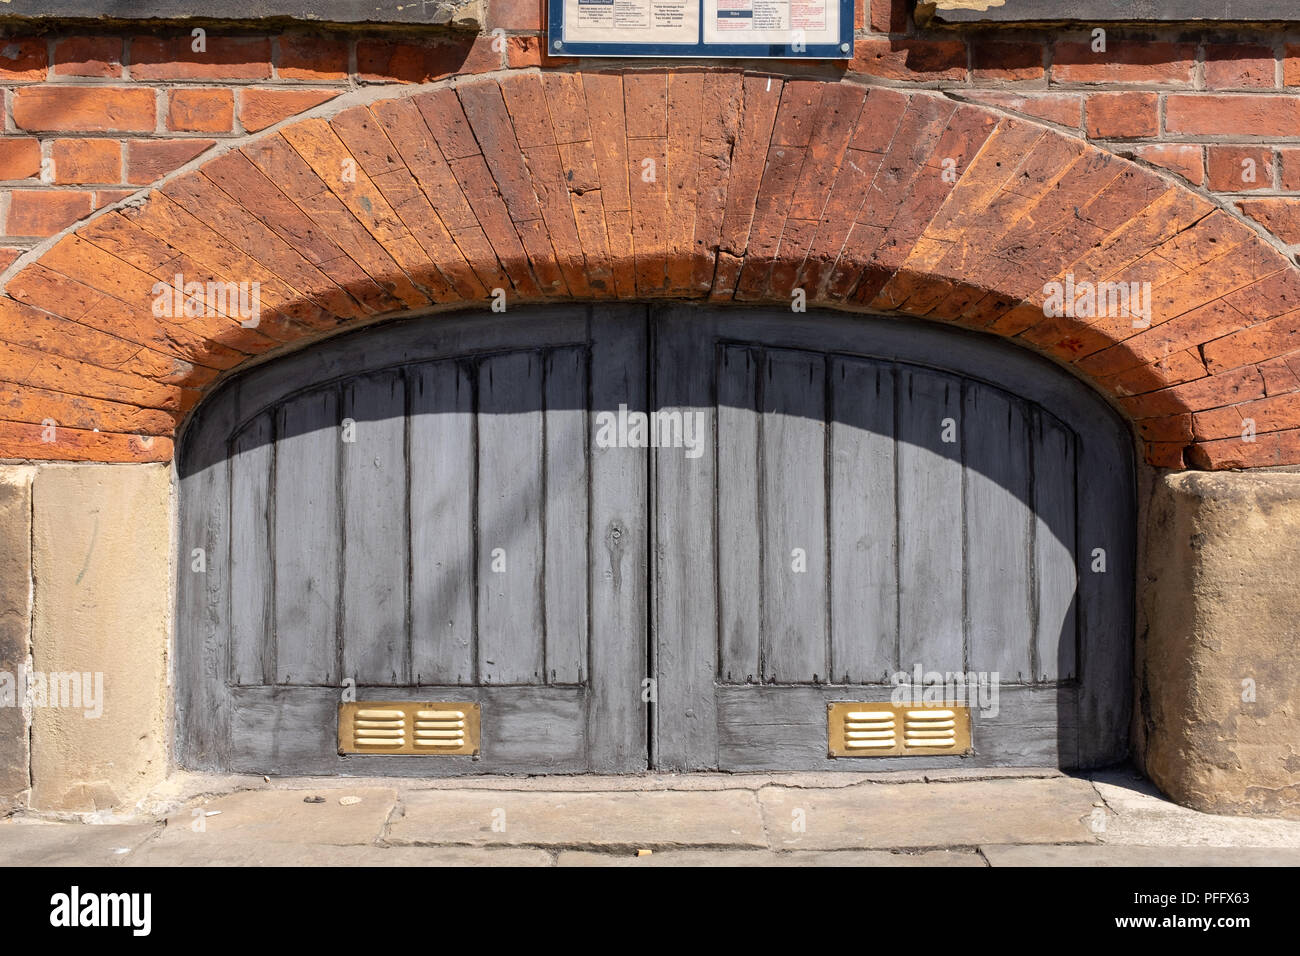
(784, 29)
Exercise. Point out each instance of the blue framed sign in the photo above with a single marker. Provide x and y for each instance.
(727, 29)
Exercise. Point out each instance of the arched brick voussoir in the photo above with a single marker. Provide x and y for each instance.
(708, 184)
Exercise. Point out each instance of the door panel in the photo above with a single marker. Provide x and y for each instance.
(929, 514)
(863, 521)
(881, 502)
(792, 512)
(441, 439)
(307, 576)
(415, 508)
(511, 634)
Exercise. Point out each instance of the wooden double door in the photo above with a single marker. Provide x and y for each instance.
(650, 538)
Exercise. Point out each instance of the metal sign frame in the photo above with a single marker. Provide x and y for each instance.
(842, 50)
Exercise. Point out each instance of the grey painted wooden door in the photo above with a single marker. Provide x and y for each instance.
(427, 509)
(417, 509)
(878, 497)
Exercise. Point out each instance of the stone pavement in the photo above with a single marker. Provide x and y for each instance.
(1006, 818)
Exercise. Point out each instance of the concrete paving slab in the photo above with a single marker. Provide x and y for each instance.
(1051, 810)
(194, 853)
(651, 820)
(1112, 855)
(1140, 815)
(871, 858)
(70, 844)
(283, 816)
(184, 785)
(859, 819)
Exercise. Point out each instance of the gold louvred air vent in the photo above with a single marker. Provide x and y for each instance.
(407, 728)
(870, 729)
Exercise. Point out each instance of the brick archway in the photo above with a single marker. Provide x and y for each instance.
(715, 185)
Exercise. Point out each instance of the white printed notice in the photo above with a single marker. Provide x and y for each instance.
(632, 21)
(779, 22)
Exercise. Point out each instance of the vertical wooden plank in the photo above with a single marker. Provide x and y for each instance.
(1055, 575)
(863, 526)
(1106, 529)
(566, 522)
(252, 637)
(202, 609)
(930, 521)
(511, 638)
(375, 567)
(739, 582)
(686, 550)
(619, 549)
(999, 525)
(793, 442)
(307, 539)
(441, 433)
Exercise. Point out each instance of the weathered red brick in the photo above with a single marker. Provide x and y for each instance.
(106, 197)
(1230, 66)
(304, 57)
(1009, 62)
(224, 58)
(1065, 109)
(900, 58)
(1122, 115)
(1279, 216)
(1239, 168)
(1124, 61)
(386, 61)
(887, 16)
(23, 440)
(20, 158)
(523, 52)
(85, 109)
(1289, 169)
(1275, 413)
(1185, 160)
(23, 60)
(148, 160)
(84, 161)
(200, 110)
(514, 15)
(1291, 64)
(1165, 455)
(1273, 449)
(88, 56)
(43, 212)
(1228, 114)
(259, 109)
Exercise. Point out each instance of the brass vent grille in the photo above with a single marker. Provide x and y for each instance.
(407, 728)
(869, 729)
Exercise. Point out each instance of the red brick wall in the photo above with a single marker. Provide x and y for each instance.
(795, 178)
(96, 116)
(111, 112)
